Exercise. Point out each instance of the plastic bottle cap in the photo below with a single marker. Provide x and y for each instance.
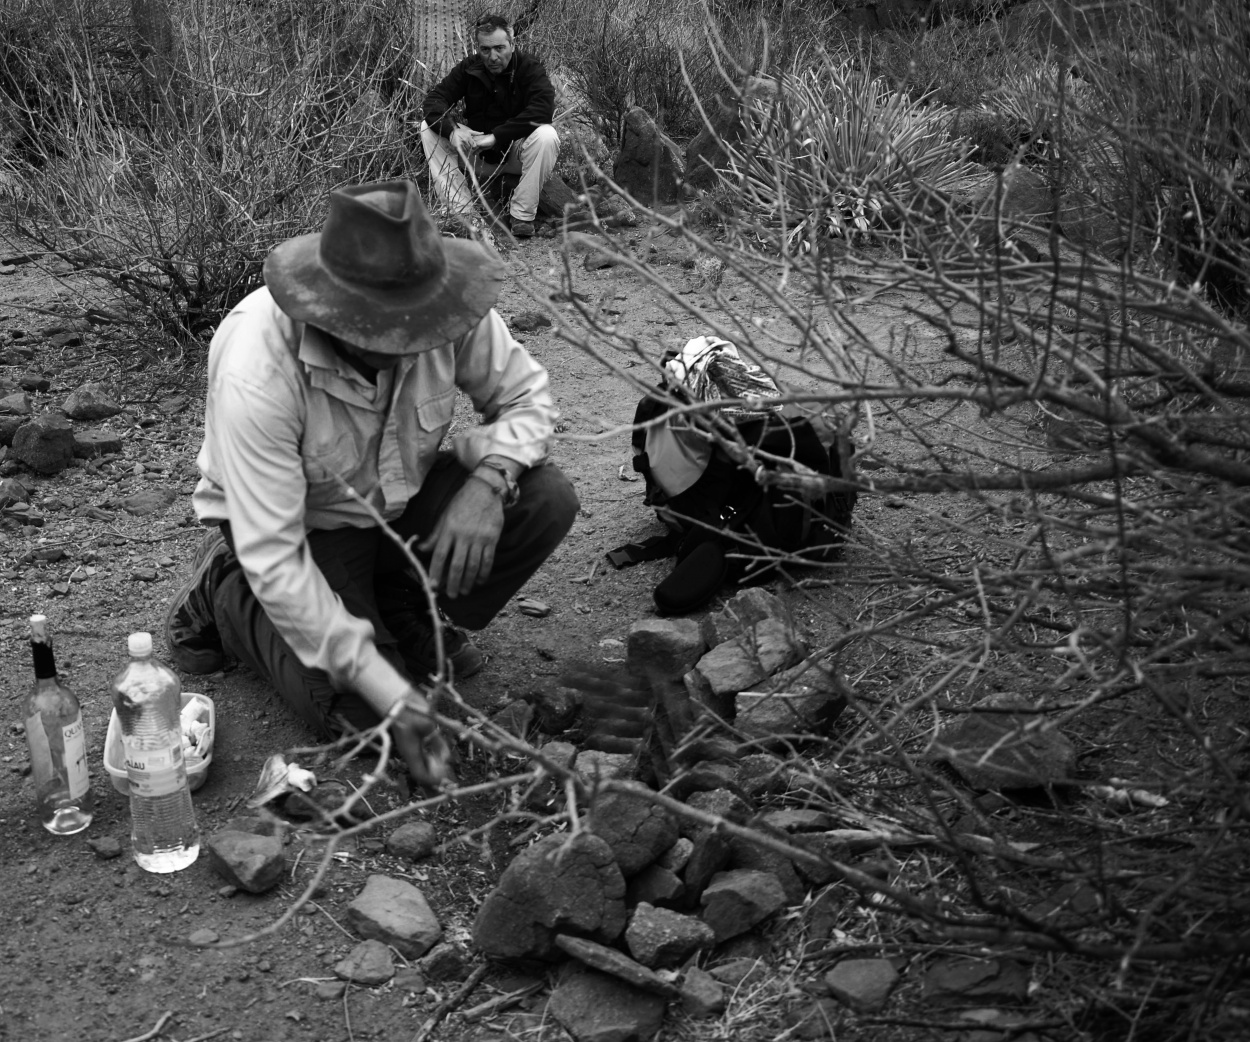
(140, 644)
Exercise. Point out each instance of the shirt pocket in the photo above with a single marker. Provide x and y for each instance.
(330, 462)
(434, 414)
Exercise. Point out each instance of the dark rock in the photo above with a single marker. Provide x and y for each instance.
(90, 402)
(596, 765)
(514, 718)
(709, 856)
(961, 980)
(558, 885)
(728, 120)
(414, 840)
(748, 855)
(258, 826)
(173, 406)
(828, 848)
(637, 830)
(105, 847)
(33, 382)
(250, 862)
(396, 913)
(12, 491)
(648, 165)
(9, 426)
(778, 714)
(703, 777)
(15, 405)
(330, 990)
(742, 663)
(410, 979)
(862, 984)
(556, 708)
(762, 774)
(95, 442)
(368, 964)
(721, 802)
(594, 1007)
(702, 994)
(616, 964)
(1000, 749)
(149, 501)
(45, 444)
(530, 322)
(1072, 904)
(445, 961)
(742, 611)
(676, 856)
(660, 938)
(663, 649)
(654, 885)
(735, 901)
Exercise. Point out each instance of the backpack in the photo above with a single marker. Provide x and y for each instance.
(724, 525)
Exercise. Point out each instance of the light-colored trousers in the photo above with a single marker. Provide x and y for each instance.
(538, 154)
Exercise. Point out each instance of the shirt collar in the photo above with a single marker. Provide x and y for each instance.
(330, 373)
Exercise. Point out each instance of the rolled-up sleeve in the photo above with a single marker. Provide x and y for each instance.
(256, 464)
(511, 391)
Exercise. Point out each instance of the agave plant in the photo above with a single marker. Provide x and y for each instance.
(838, 149)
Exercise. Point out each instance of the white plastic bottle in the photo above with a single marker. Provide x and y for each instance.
(58, 746)
(147, 697)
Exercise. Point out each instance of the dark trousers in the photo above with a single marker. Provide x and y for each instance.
(369, 572)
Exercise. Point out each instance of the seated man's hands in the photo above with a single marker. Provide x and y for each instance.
(467, 141)
(420, 742)
(462, 545)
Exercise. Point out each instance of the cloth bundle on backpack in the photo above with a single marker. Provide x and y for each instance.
(714, 504)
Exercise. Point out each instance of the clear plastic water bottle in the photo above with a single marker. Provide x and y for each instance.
(57, 743)
(147, 697)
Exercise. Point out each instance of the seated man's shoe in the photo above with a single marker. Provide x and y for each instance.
(521, 229)
(414, 636)
(190, 625)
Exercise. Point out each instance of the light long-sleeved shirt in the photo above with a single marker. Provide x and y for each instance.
(286, 418)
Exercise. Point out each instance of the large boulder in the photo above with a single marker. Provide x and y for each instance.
(648, 165)
(558, 885)
(728, 121)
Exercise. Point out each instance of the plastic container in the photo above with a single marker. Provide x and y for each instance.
(197, 770)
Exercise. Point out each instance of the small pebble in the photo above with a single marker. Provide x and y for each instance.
(105, 847)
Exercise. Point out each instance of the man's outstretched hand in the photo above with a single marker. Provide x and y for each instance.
(462, 545)
(421, 744)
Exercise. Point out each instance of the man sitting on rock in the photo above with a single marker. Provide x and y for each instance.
(330, 390)
(509, 104)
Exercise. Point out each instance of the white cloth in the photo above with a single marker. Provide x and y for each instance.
(286, 418)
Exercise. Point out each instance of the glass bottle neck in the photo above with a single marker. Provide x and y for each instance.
(45, 663)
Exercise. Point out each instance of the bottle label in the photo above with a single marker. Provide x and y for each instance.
(155, 772)
(76, 758)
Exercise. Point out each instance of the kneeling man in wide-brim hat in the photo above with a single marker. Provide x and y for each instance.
(329, 393)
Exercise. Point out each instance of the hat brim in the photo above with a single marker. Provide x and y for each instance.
(389, 321)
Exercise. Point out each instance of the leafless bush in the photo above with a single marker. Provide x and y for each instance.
(175, 198)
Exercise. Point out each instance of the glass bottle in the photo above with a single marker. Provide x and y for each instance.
(148, 698)
(57, 742)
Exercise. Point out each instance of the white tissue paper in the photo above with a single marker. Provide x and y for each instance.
(195, 735)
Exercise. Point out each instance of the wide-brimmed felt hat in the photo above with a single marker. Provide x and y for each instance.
(380, 276)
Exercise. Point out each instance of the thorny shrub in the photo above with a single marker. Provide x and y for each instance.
(1063, 413)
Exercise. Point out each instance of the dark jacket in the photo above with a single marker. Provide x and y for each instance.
(509, 105)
